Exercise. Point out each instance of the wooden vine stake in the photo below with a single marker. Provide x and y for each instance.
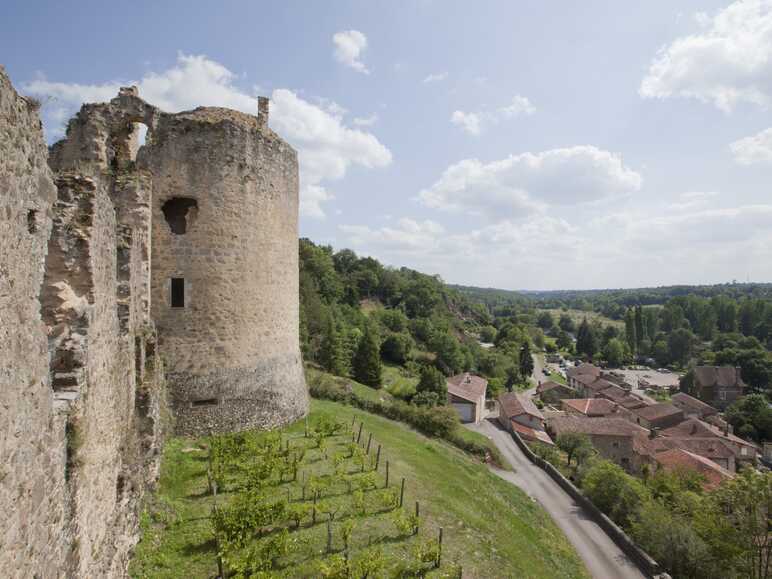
(417, 514)
(439, 549)
(378, 457)
(402, 492)
(369, 441)
(387, 475)
(359, 435)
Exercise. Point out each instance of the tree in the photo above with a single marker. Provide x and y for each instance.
(331, 354)
(450, 358)
(735, 523)
(614, 353)
(367, 360)
(396, 348)
(526, 361)
(751, 416)
(564, 340)
(586, 341)
(566, 323)
(432, 380)
(638, 326)
(613, 491)
(631, 334)
(575, 445)
(545, 320)
(487, 334)
(680, 343)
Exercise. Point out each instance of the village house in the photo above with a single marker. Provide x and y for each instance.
(518, 413)
(614, 438)
(660, 415)
(718, 386)
(707, 447)
(551, 392)
(676, 459)
(692, 407)
(466, 394)
(744, 451)
(589, 372)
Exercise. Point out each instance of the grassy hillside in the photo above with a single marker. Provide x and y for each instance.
(491, 528)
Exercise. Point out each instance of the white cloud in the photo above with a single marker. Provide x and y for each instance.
(474, 122)
(754, 149)
(618, 249)
(524, 184)
(726, 63)
(435, 77)
(470, 122)
(326, 146)
(366, 121)
(349, 46)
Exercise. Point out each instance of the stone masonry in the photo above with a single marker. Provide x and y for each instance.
(127, 271)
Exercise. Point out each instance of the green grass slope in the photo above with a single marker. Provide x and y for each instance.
(491, 528)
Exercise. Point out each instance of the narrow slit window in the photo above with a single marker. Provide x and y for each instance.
(178, 292)
(204, 402)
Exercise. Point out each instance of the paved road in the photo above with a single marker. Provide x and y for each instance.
(603, 558)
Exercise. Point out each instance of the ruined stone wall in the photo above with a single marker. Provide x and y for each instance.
(95, 432)
(32, 449)
(88, 253)
(228, 186)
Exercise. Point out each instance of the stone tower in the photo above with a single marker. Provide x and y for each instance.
(224, 281)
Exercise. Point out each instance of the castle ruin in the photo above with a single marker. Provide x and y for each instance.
(140, 287)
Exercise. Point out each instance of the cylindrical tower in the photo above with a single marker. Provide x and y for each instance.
(225, 269)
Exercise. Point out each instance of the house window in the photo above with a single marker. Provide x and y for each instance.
(178, 292)
(722, 394)
(615, 445)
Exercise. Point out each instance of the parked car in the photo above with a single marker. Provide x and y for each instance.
(545, 371)
(663, 371)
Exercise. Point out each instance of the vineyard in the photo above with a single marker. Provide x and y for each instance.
(315, 500)
(315, 504)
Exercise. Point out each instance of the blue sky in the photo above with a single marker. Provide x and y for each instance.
(534, 145)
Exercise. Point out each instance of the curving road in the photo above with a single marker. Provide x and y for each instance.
(604, 560)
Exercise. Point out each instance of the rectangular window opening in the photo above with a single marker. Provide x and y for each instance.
(205, 402)
(178, 292)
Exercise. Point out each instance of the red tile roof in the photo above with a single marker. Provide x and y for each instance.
(722, 376)
(693, 427)
(591, 406)
(467, 386)
(516, 403)
(678, 458)
(690, 404)
(550, 385)
(530, 433)
(712, 448)
(610, 426)
(576, 371)
(657, 411)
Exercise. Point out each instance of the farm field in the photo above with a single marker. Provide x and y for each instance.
(579, 315)
(490, 527)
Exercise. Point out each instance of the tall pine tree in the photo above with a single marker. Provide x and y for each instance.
(331, 349)
(631, 333)
(367, 360)
(526, 361)
(586, 341)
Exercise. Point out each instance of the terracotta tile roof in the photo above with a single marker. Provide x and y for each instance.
(591, 406)
(467, 386)
(690, 404)
(694, 427)
(583, 369)
(722, 376)
(530, 433)
(550, 385)
(657, 411)
(610, 426)
(678, 458)
(516, 403)
(622, 397)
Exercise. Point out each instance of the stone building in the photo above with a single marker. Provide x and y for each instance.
(117, 259)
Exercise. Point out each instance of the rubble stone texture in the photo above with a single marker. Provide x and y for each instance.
(91, 340)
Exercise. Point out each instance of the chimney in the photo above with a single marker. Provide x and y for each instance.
(694, 428)
(262, 111)
(653, 433)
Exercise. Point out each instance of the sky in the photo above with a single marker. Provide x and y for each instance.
(510, 144)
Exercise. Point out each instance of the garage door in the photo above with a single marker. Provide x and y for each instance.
(465, 411)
